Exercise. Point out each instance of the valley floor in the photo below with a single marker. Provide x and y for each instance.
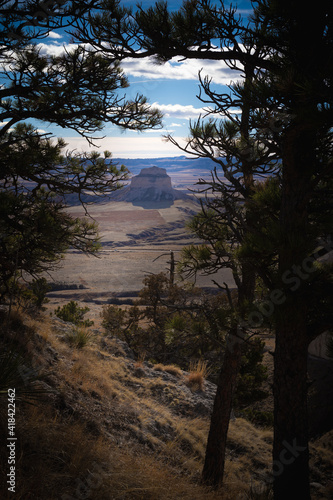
(136, 242)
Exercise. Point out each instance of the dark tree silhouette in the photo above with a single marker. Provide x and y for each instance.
(291, 92)
(77, 89)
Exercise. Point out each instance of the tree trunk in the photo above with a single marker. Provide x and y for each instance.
(290, 448)
(213, 470)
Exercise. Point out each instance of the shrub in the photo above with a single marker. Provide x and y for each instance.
(260, 493)
(258, 418)
(32, 297)
(16, 367)
(113, 318)
(79, 337)
(139, 362)
(39, 288)
(72, 313)
(18, 377)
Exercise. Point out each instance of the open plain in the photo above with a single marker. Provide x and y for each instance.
(136, 240)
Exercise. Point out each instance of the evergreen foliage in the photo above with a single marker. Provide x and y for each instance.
(285, 131)
(180, 323)
(73, 313)
(77, 89)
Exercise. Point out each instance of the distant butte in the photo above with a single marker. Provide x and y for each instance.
(152, 185)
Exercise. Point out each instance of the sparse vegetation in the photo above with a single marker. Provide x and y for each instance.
(172, 323)
(198, 373)
(79, 337)
(104, 429)
(73, 313)
(173, 369)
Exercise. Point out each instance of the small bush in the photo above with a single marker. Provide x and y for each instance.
(174, 370)
(260, 493)
(195, 381)
(12, 321)
(139, 362)
(72, 313)
(18, 377)
(79, 337)
(113, 319)
(39, 288)
(16, 367)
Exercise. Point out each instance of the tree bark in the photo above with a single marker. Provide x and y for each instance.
(213, 470)
(290, 447)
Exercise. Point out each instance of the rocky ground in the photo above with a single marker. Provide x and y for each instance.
(135, 408)
(99, 398)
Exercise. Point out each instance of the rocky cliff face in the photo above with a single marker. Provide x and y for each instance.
(151, 185)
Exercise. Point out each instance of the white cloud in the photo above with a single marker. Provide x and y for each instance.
(146, 68)
(52, 49)
(128, 147)
(180, 70)
(178, 110)
(54, 35)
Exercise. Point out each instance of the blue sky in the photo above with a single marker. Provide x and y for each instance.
(172, 87)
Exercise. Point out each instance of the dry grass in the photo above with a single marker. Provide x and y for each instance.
(79, 337)
(172, 369)
(58, 458)
(198, 373)
(145, 451)
(140, 361)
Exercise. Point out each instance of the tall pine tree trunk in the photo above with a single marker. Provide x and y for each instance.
(213, 470)
(290, 448)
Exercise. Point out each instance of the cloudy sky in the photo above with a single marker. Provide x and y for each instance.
(172, 87)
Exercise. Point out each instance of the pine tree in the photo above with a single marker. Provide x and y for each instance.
(290, 95)
(76, 89)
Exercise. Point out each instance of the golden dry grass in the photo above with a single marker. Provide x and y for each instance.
(160, 456)
(198, 373)
(172, 369)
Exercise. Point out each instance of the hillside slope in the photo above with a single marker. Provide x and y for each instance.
(112, 427)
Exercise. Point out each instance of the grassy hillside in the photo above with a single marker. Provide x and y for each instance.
(112, 427)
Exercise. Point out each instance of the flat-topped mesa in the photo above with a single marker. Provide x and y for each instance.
(152, 184)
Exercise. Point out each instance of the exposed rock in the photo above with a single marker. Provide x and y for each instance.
(316, 486)
(116, 347)
(320, 395)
